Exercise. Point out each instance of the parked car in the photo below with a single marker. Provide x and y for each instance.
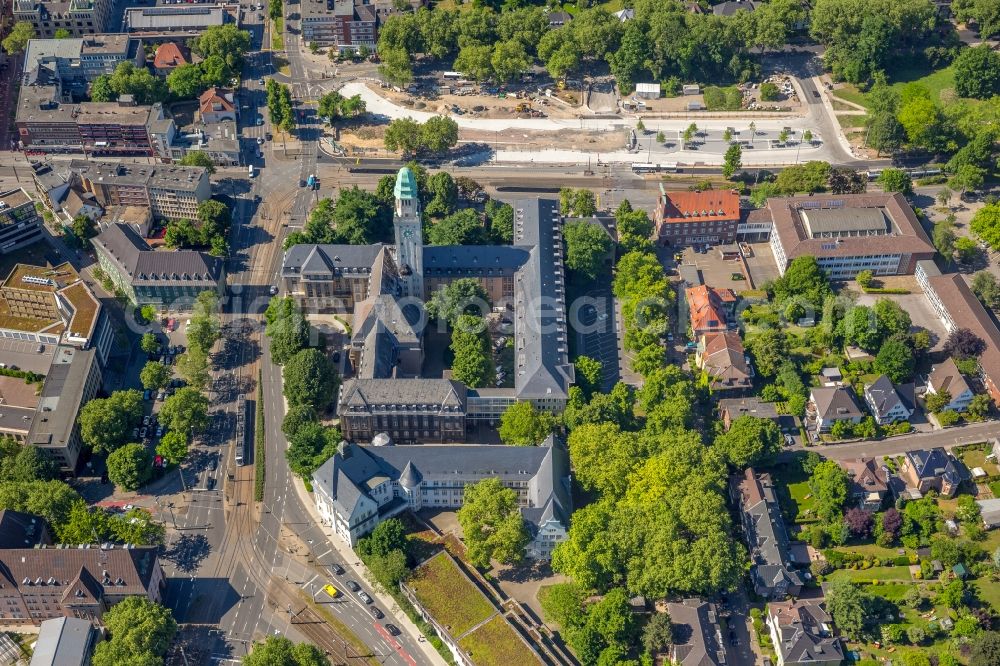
(142, 433)
(211, 483)
(145, 420)
(212, 463)
(147, 394)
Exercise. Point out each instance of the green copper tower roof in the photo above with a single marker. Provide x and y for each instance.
(406, 184)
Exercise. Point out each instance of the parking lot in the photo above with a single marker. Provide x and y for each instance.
(596, 329)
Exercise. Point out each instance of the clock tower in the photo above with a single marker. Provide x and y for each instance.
(409, 234)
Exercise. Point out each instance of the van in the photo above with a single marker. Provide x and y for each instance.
(250, 170)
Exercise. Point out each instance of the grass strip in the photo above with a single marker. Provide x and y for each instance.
(259, 449)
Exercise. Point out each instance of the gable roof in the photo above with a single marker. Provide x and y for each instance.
(682, 206)
(724, 358)
(63, 641)
(78, 573)
(145, 265)
(929, 464)
(168, 55)
(750, 406)
(835, 402)
(883, 396)
(946, 376)
(866, 476)
(765, 529)
(364, 394)
(698, 636)
(803, 632)
(217, 100)
(705, 305)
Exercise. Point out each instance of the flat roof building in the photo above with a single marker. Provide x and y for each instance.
(170, 191)
(188, 20)
(64, 641)
(78, 61)
(848, 233)
(20, 224)
(78, 17)
(347, 25)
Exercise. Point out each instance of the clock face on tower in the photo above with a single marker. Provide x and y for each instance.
(408, 232)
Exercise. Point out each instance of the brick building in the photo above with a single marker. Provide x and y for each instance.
(710, 217)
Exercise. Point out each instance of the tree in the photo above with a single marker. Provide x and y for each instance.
(443, 193)
(588, 374)
(226, 41)
(185, 411)
(587, 247)
(389, 535)
(192, 366)
(967, 249)
(279, 651)
(465, 296)
(895, 360)
(749, 441)
(768, 92)
(470, 343)
(127, 79)
(861, 328)
(828, 484)
(895, 180)
(967, 177)
(141, 633)
(964, 344)
(859, 522)
(438, 134)
(287, 329)
(979, 406)
(847, 181)
(492, 526)
(149, 343)
(203, 327)
(523, 425)
(985, 649)
(185, 81)
(977, 72)
(849, 607)
(173, 446)
(311, 446)
(106, 424)
(658, 634)
(155, 375)
(129, 466)
(938, 400)
(198, 158)
(310, 379)
(944, 238)
(923, 123)
(18, 37)
(733, 160)
(396, 66)
(463, 228)
(769, 350)
(986, 224)
(509, 60)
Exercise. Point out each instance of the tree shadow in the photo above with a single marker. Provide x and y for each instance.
(188, 552)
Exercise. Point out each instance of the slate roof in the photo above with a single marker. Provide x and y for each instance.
(373, 394)
(884, 396)
(765, 529)
(698, 637)
(78, 573)
(752, 406)
(835, 403)
(325, 259)
(945, 376)
(803, 632)
(929, 464)
(22, 530)
(147, 266)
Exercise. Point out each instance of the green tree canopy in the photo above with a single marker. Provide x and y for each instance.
(465, 296)
(130, 466)
(523, 425)
(155, 375)
(173, 446)
(310, 379)
(279, 651)
(186, 411)
(473, 361)
(750, 441)
(462, 228)
(587, 247)
(828, 484)
(107, 423)
(977, 72)
(287, 329)
(141, 632)
(491, 522)
(18, 37)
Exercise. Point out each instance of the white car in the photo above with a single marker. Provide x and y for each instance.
(260, 141)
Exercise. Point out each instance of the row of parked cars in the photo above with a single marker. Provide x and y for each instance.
(353, 586)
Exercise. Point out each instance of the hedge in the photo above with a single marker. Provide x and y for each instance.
(259, 454)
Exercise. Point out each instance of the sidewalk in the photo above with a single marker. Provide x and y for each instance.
(351, 562)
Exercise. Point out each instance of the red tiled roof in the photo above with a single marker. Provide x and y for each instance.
(704, 304)
(706, 205)
(168, 55)
(215, 97)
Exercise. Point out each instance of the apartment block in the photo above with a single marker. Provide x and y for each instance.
(79, 17)
(345, 24)
(169, 191)
(710, 217)
(20, 223)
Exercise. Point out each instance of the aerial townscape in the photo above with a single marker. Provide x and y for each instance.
(500, 333)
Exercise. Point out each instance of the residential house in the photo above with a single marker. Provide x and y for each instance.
(947, 377)
(697, 634)
(559, 19)
(216, 105)
(802, 633)
(168, 58)
(79, 203)
(722, 357)
(362, 485)
(731, 409)
(710, 309)
(889, 403)
(830, 404)
(771, 565)
(867, 485)
(924, 470)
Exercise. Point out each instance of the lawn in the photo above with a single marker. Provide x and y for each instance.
(870, 549)
(448, 595)
(989, 592)
(935, 81)
(977, 458)
(793, 492)
(873, 573)
(497, 644)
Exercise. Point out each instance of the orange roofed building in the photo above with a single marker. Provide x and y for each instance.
(168, 57)
(710, 309)
(696, 218)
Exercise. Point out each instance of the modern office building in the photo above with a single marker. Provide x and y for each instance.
(78, 17)
(20, 223)
(683, 218)
(362, 485)
(180, 21)
(78, 61)
(170, 192)
(169, 280)
(83, 582)
(849, 233)
(347, 25)
(72, 381)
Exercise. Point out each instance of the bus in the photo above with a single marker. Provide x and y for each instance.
(452, 76)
